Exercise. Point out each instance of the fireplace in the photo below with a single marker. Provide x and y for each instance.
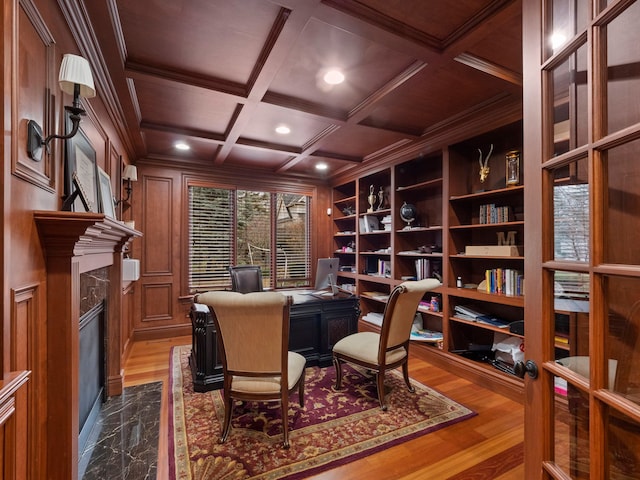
(94, 288)
(84, 301)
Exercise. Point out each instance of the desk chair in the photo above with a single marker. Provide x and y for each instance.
(389, 349)
(255, 369)
(246, 278)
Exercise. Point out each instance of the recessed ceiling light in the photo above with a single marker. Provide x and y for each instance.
(283, 130)
(334, 77)
(321, 166)
(181, 146)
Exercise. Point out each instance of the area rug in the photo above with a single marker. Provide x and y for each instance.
(334, 428)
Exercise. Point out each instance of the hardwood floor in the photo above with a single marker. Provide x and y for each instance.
(488, 446)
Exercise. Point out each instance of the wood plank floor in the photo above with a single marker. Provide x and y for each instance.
(486, 447)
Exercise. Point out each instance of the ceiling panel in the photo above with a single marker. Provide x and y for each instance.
(220, 38)
(321, 47)
(221, 74)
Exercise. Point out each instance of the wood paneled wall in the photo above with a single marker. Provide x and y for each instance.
(35, 36)
(162, 300)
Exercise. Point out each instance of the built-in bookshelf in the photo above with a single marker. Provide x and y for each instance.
(450, 231)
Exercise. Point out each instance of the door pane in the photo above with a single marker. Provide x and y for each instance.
(569, 102)
(622, 227)
(571, 430)
(571, 212)
(571, 301)
(623, 346)
(623, 73)
(623, 448)
(568, 17)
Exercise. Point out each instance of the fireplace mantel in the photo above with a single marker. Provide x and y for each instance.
(75, 243)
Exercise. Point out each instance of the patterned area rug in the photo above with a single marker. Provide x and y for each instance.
(334, 428)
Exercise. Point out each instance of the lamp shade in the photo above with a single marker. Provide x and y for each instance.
(75, 70)
(130, 173)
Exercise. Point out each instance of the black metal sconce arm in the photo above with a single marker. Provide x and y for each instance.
(128, 188)
(35, 140)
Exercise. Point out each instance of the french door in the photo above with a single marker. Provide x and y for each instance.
(581, 160)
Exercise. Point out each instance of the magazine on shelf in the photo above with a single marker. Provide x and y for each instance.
(422, 335)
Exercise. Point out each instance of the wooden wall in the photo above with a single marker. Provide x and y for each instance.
(159, 205)
(35, 36)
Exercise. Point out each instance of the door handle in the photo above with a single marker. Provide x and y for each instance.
(530, 368)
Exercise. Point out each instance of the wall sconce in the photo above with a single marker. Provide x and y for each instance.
(75, 79)
(130, 174)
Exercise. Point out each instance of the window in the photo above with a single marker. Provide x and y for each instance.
(240, 227)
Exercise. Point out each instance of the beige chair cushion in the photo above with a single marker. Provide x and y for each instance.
(270, 384)
(363, 346)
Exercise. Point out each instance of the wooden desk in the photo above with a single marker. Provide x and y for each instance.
(316, 324)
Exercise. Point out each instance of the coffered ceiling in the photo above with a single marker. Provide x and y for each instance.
(221, 75)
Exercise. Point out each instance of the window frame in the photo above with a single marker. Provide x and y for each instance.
(273, 191)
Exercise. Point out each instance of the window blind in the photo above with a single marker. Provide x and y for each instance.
(292, 240)
(238, 227)
(210, 237)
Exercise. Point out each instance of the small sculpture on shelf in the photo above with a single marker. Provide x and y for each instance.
(484, 164)
(408, 213)
(349, 210)
(372, 199)
(381, 198)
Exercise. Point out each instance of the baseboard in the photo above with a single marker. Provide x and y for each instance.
(157, 333)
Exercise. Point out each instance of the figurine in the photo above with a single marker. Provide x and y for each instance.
(484, 165)
(372, 199)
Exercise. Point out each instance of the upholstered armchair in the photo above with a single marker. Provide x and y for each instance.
(389, 349)
(253, 329)
(246, 278)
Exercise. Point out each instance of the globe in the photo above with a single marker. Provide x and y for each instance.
(408, 213)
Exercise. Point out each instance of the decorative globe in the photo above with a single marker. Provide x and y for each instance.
(408, 213)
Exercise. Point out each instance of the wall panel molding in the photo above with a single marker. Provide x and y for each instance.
(33, 83)
(157, 300)
(28, 351)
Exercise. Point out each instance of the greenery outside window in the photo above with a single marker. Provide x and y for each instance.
(241, 227)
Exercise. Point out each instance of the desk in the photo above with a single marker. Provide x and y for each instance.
(316, 324)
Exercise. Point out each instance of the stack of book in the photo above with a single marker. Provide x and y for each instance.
(474, 315)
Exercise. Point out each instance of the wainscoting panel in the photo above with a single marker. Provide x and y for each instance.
(27, 355)
(157, 226)
(157, 302)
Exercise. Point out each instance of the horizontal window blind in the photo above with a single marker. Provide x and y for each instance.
(237, 227)
(210, 237)
(292, 240)
(253, 240)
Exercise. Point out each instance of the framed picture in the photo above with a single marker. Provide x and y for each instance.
(106, 195)
(512, 168)
(81, 172)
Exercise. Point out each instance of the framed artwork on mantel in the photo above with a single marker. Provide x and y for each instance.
(81, 173)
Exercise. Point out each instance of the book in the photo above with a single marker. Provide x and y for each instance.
(493, 250)
(470, 312)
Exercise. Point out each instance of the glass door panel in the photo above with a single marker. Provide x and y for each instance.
(571, 333)
(623, 448)
(622, 227)
(571, 430)
(623, 74)
(623, 342)
(569, 90)
(568, 17)
(571, 212)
